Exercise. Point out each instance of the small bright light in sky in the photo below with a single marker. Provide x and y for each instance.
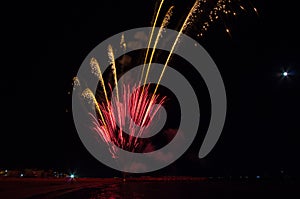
(285, 74)
(72, 176)
(22, 175)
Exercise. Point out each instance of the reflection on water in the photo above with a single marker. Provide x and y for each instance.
(186, 190)
(138, 190)
(117, 191)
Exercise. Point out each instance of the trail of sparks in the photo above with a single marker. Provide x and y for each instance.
(111, 57)
(97, 71)
(163, 25)
(114, 71)
(150, 38)
(88, 94)
(187, 21)
(185, 24)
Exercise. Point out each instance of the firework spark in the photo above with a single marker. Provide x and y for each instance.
(220, 10)
(123, 43)
(76, 82)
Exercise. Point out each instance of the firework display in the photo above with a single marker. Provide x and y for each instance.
(134, 108)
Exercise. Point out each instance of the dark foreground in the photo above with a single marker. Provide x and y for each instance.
(91, 188)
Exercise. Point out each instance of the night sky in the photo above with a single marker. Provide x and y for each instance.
(43, 45)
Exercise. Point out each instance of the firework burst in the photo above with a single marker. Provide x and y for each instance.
(127, 114)
(133, 114)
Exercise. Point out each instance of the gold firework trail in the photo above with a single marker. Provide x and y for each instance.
(185, 24)
(187, 21)
(88, 94)
(97, 71)
(111, 57)
(150, 38)
(163, 25)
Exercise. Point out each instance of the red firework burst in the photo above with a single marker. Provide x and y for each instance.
(132, 112)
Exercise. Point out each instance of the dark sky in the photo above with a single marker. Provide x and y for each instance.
(43, 46)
